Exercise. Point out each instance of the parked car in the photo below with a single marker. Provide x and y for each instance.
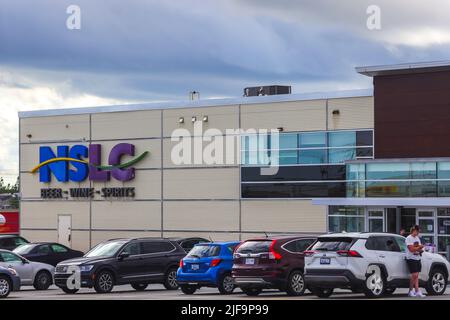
(372, 263)
(9, 281)
(47, 252)
(188, 243)
(11, 241)
(36, 274)
(138, 262)
(207, 265)
(273, 262)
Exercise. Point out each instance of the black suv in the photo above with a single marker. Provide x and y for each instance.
(138, 262)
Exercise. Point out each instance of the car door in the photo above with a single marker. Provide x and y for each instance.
(24, 269)
(42, 254)
(131, 268)
(391, 257)
(403, 267)
(158, 256)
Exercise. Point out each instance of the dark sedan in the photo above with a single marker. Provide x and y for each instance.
(48, 252)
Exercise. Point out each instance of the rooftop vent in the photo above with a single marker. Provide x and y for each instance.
(266, 91)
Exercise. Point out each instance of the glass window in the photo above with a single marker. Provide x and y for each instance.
(288, 141)
(444, 226)
(204, 251)
(20, 241)
(401, 243)
(10, 257)
(294, 190)
(444, 188)
(341, 155)
(132, 249)
(254, 247)
(312, 156)
(364, 138)
(423, 170)
(345, 224)
(45, 249)
(364, 152)
(105, 249)
(304, 244)
(444, 170)
(332, 244)
(356, 189)
(59, 248)
(375, 225)
(288, 157)
(149, 247)
(443, 212)
(387, 189)
(379, 171)
(382, 243)
(424, 189)
(313, 140)
(356, 172)
(443, 242)
(342, 139)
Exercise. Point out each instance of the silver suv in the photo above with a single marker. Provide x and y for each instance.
(372, 263)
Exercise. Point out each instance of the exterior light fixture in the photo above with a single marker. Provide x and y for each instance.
(181, 120)
(29, 136)
(193, 119)
(336, 112)
(280, 129)
(205, 118)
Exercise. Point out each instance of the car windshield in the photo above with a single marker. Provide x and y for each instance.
(106, 249)
(201, 251)
(24, 249)
(255, 247)
(332, 244)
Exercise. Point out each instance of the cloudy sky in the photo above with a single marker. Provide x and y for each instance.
(145, 50)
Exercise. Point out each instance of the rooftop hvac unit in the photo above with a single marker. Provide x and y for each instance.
(266, 91)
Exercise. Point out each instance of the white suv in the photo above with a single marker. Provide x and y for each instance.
(372, 263)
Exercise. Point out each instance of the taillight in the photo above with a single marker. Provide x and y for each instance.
(309, 253)
(349, 253)
(181, 263)
(272, 253)
(215, 262)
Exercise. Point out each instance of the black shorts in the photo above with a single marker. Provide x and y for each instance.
(414, 265)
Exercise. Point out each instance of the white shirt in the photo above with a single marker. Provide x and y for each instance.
(410, 241)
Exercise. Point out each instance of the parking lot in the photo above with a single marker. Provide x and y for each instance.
(157, 292)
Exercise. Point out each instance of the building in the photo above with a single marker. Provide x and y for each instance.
(366, 160)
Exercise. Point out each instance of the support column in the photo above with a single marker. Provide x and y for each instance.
(398, 219)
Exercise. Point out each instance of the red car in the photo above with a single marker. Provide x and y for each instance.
(271, 263)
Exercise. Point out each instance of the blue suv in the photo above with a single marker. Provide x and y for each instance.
(207, 265)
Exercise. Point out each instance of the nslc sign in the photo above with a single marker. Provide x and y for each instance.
(81, 168)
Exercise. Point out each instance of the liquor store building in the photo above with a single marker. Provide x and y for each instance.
(363, 160)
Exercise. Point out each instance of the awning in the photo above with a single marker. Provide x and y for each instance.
(383, 202)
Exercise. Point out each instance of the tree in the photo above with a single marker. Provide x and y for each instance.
(10, 189)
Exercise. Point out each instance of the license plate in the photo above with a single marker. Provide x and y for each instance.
(249, 261)
(325, 260)
(195, 266)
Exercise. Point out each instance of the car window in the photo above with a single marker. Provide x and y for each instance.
(203, 251)
(10, 257)
(303, 244)
(291, 246)
(45, 249)
(149, 247)
(401, 243)
(59, 248)
(254, 246)
(132, 249)
(333, 244)
(231, 248)
(382, 243)
(8, 242)
(20, 241)
(25, 249)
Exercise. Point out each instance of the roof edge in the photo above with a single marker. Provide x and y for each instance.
(404, 68)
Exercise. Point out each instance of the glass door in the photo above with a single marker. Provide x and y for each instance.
(426, 219)
(375, 217)
(443, 229)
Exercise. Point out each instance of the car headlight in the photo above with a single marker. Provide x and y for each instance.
(86, 268)
(13, 271)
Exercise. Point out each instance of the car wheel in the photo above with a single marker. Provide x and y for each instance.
(69, 291)
(251, 292)
(188, 289)
(374, 286)
(170, 281)
(5, 286)
(296, 284)
(139, 286)
(322, 292)
(43, 280)
(104, 282)
(389, 291)
(226, 284)
(437, 283)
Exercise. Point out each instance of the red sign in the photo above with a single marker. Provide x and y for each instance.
(9, 222)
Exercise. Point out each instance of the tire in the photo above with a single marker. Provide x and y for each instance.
(186, 289)
(252, 292)
(437, 283)
(170, 280)
(296, 284)
(374, 286)
(139, 286)
(43, 280)
(69, 291)
(322, 292)
(5, 287)
(389, 291)
(104, 282)
(226, 284)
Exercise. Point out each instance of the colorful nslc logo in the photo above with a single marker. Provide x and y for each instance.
(80, 168)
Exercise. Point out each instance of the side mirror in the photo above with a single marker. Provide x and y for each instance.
(123, 255)
(25, 261)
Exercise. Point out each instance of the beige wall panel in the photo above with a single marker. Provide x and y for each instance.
(139, 215)
(201, 215)
(292, 116)
(354, 113)
(44, 214)
(121, 125)
(100, 236)
(147, 184)
(228, 236)
(55, 128)
(40, 235)
(171, 153)
(283, 216)
(80, 240)
(220, 183)
(221, 118)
